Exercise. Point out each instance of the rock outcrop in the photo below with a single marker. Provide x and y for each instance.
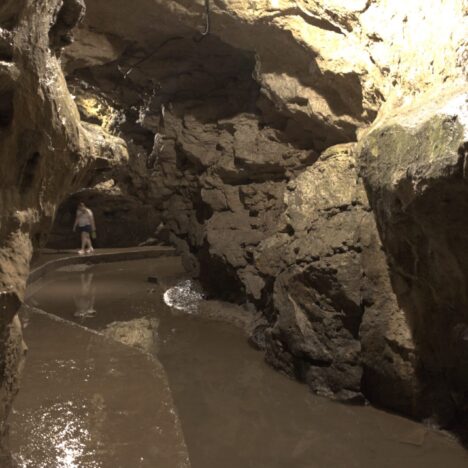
(138, 333)
(336, 323)
(414, 166)
(44, 152)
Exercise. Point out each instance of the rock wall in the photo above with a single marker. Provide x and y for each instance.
(243, 143)
(336, 324)
(414, 165)
(328, 66)
(43, 152)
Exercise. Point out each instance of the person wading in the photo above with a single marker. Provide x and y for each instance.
(84, 221)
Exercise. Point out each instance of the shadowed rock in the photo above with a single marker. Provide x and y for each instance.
(414, 168)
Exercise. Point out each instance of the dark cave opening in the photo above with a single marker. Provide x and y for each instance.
(29, 172)
(6, 108)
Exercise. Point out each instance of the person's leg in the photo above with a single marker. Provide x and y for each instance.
(89, 245)
(83, 243)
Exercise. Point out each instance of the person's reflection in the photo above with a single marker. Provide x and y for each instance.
(84, 301)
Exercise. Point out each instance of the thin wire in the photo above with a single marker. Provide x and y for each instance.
(147, 57)
(208, 23)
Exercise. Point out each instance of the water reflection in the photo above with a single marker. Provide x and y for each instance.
(58, 436)
(84, 300)
(184, 296)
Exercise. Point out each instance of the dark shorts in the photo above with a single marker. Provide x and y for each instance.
(86, 228)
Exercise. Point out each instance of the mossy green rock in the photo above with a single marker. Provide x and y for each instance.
(414, 169)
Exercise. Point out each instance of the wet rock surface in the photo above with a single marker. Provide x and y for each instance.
(139, 333)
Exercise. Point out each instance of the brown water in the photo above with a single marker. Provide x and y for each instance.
(235, 412)
(87, 401)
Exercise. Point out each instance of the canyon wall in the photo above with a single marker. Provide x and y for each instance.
(243, 143)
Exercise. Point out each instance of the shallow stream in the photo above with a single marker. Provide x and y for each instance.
(207, 396)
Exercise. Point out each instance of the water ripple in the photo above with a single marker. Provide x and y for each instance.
(59, 435)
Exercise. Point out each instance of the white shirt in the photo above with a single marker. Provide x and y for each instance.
(84, 217)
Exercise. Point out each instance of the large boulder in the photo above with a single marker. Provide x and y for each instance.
(415, 171)
(337, 324)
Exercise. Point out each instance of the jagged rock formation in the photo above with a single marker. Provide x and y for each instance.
(231, 132)
(327, 67)
(243, 143)
(336, 321)
(44, 151)
(418, 199)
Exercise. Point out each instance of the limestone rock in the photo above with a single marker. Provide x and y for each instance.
(224, 137)
(138, 333)
(328, 66)
(12, 352)
(414, 165)
(67, 15)
(333, 304)
(90, 49)
(45, 152)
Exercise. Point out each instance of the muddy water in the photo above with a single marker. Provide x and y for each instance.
(84, 403)
(235, 412)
